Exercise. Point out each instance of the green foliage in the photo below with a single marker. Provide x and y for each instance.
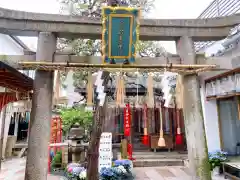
(93, 7)
(80, 78)
(150, 49)
(57, 159)
(70, 116)
(216, 158)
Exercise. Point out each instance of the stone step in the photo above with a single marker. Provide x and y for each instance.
(157, 162)
(149, 155)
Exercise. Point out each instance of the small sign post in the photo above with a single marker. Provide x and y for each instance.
(105, 151)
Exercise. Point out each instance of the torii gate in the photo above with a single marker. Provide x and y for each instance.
(48, 27)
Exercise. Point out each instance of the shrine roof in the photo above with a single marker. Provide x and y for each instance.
(13, 79)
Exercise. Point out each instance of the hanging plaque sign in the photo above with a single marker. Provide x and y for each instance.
(105, 151)
(119, 34)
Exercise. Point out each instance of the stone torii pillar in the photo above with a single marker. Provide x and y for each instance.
(41, 114)
(193, 115)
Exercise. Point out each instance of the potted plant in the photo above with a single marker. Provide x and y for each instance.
(215, 160)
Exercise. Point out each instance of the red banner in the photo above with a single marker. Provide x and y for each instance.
(5, 98)
(127, 120)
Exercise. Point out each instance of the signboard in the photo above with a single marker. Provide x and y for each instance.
(120, 34)
(105, 151)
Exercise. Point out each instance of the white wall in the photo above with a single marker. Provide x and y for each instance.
(8, 46)
(210, 115)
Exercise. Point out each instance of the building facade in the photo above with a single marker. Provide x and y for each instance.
(221, 109)
(217, 8)
(12, 118)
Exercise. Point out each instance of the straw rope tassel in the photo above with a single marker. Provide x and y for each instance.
(179, 92)
(122, 91)
(118, 90)
(161, 141)
(179, 137)
(179, 104)
(56, 88)
(150, 91)
(145, 139)
(90, 90)
(136, 104)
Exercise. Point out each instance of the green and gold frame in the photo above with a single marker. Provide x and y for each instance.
(120, 34)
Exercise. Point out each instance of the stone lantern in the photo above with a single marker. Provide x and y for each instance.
(76, 136)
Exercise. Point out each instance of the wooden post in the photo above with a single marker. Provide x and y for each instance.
(2, 118)
(37, 157)
(124, 154)
(4, 109)
(193, 115)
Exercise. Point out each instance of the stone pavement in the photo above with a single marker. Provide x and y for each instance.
(14, 170)
(165, 173)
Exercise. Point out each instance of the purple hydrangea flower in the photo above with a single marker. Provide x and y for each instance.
(77, 170)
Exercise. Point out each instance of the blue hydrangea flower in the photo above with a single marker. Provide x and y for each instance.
(122, 162)
(106, 172)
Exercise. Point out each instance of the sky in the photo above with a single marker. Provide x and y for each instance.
(165, 9)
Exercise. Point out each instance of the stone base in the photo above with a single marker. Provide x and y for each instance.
(186, 163)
